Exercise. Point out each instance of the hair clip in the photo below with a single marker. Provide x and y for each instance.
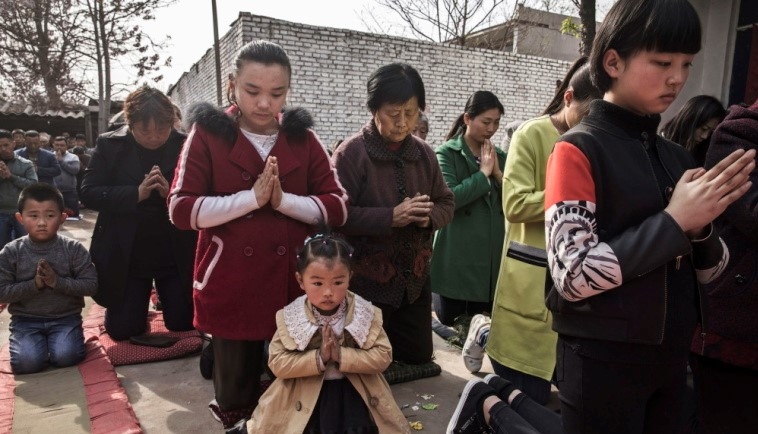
(319, 236)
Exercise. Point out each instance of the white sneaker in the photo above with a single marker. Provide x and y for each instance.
(473, 352)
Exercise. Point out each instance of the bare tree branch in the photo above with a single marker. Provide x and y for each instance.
(442, 20)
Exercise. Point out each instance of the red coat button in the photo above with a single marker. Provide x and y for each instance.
(246, 176)
(281, 250)
(248, 251)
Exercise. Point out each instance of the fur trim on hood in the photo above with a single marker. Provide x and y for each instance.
(293, 122)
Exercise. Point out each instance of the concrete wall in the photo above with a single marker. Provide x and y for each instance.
(331, 66)
(712, 67)
(543, 42)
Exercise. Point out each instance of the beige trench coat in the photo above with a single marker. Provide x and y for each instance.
(287, 405)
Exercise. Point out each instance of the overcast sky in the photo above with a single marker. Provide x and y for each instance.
(190, 24)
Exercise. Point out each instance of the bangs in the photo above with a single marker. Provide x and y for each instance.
(672, 27)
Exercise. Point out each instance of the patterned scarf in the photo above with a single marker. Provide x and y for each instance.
(376, 148)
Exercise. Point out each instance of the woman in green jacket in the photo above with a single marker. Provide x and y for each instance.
(467, 251)
(521, 343)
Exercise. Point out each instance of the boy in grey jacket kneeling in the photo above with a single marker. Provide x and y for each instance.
(44, 277)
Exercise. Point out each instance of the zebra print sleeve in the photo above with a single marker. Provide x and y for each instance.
(581, 265)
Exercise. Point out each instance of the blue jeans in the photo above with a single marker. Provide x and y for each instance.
(35, 342)
(10, 228)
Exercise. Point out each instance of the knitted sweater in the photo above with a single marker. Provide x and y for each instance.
(71, 262)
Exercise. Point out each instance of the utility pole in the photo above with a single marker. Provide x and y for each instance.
(217, 54)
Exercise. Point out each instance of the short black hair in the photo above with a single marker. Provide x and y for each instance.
(18, 131)
(31, 133)
(5, 134)
(670, 26)
(395, 83)
(81, 136)
(40, 192)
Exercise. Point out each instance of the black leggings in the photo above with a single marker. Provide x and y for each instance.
(524, 416)
(535, 387)
(448, 309)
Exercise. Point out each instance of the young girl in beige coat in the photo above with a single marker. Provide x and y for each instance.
(328, 354)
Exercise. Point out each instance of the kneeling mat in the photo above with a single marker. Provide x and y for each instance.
(127, 353)
(87, 398)
(399, 372)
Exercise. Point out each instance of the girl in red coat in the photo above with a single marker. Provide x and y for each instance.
(253, 182)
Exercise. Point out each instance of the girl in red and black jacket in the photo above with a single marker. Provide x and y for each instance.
(628, 229)
(253, 182)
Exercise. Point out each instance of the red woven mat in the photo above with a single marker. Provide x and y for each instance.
(107, 404)
(7, 392)
(127, 353)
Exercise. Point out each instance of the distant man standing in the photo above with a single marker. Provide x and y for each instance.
(67, 180)
(80, 140)
(44, 141)
(15, 174)
(18, 139)
(45, 164)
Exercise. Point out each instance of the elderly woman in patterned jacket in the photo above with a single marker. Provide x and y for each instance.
(397, 199)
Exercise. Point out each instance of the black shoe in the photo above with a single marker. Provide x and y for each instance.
(239, 428)
(467, 418)
(206, 359)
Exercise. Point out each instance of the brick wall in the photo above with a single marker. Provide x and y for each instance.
(331, 66)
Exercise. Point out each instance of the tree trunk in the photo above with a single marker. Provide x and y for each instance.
(43, 55)
(102, 115)
(107, 67)
(587, 17)
(103, 65)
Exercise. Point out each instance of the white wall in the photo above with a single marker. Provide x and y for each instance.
(331, 66)
(712, 68)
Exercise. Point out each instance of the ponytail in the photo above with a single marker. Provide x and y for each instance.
(478, 103)
(458, 127)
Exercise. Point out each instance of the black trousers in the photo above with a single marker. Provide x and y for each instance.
(448, 309)
(524, 416)
(614, 397)
(409, 328)
(727, 400)
(237, 370)
(130, 318)
(536, 388)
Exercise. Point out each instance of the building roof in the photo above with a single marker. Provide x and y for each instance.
(8, 108)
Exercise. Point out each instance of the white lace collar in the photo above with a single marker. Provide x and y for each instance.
(301, 325)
